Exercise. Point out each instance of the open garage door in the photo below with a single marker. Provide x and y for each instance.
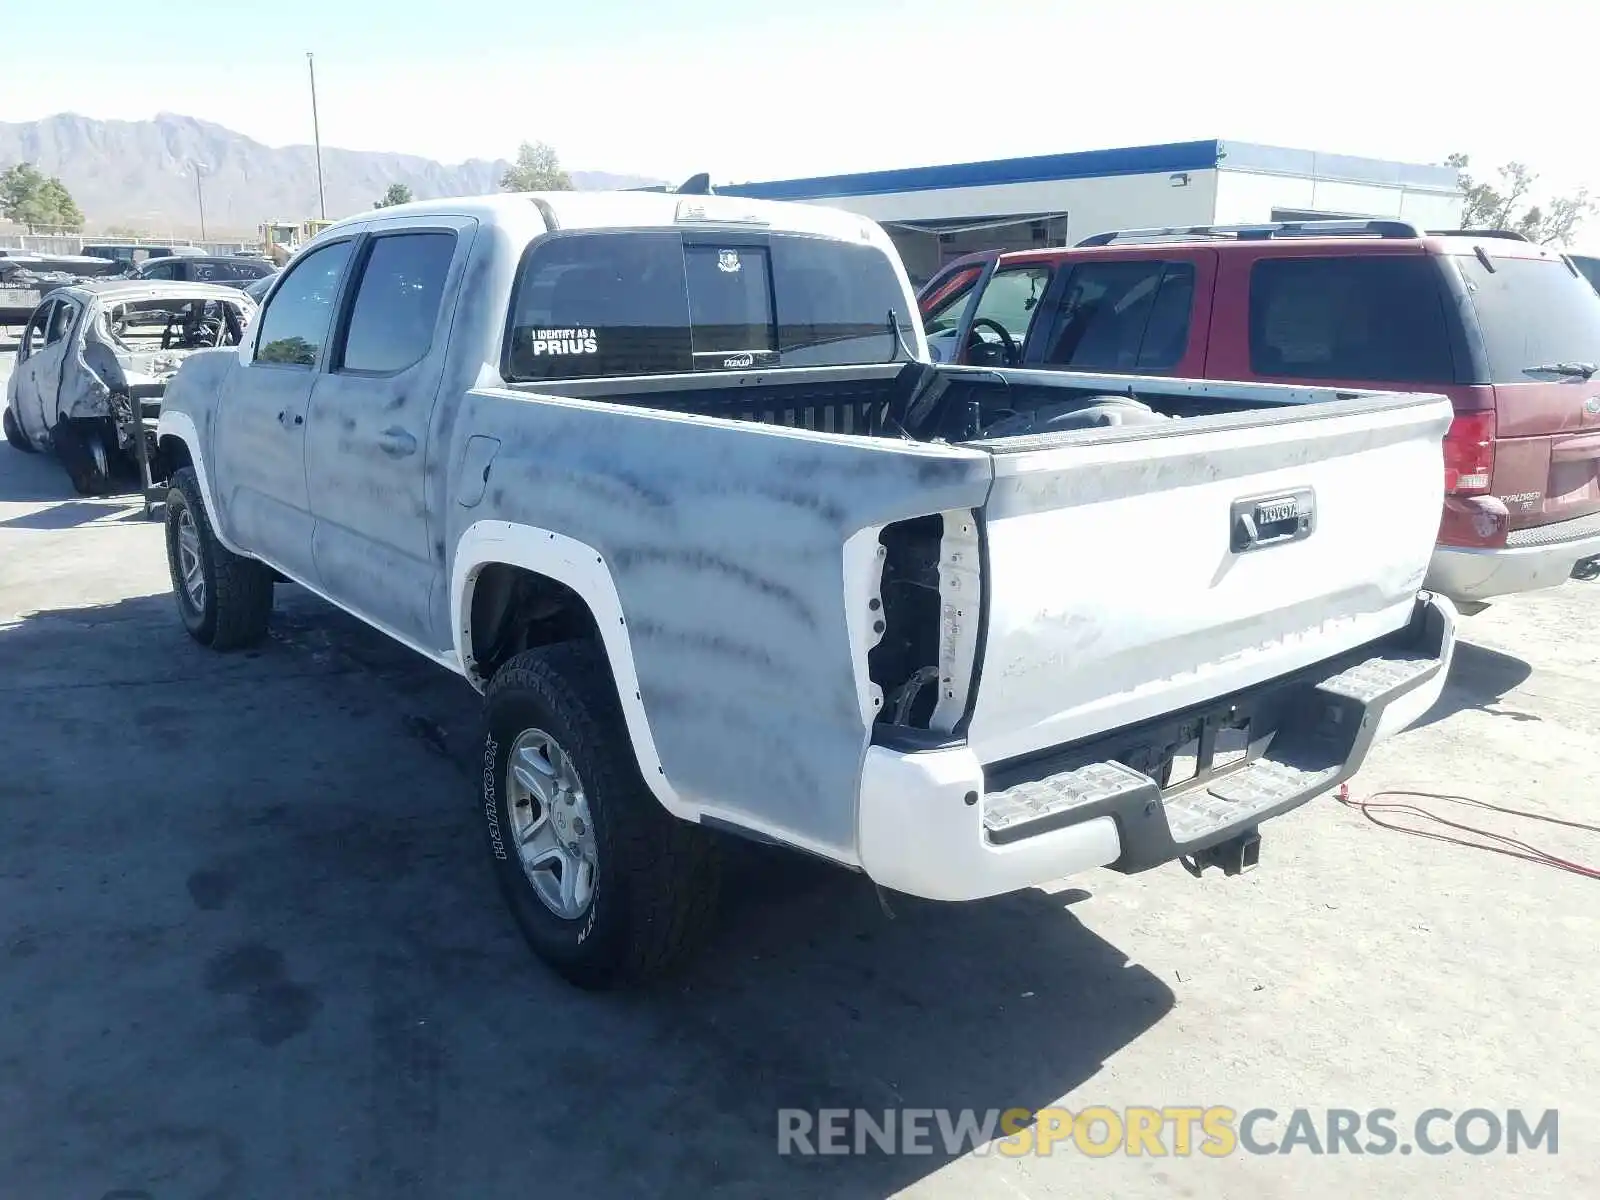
(926, 246)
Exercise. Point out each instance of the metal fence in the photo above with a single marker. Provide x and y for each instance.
(73, 243)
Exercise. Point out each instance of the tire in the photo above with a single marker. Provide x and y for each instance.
(86, 452)
(655, 880)
(15, 438)
(235, 593)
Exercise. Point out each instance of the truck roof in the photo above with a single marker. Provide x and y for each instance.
(603, 210)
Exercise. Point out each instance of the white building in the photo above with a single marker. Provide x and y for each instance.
(938, 213)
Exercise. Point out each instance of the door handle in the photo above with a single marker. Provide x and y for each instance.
(397, 443)
(289, 421)
(1257, 522)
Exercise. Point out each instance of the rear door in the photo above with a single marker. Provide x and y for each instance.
(370, 412)
(1540, 326)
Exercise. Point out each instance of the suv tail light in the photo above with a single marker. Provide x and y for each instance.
(1469, 454)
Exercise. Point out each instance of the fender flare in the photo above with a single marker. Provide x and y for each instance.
(181, 426)
(582, 568)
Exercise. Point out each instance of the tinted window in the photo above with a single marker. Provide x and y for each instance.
(1123, 316)
(1590, 268)
(397, 301)
(1379, 319)
(295, 324)
(644, 303)
(601, 304)
(834, 300)
(730, 305)
(1533, 312)
(159, 271)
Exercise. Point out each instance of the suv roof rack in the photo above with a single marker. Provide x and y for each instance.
(1508, 234)
(1261, 232)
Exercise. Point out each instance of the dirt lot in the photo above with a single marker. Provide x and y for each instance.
(251, 947)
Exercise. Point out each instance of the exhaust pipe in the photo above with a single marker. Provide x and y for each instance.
(1587, 569)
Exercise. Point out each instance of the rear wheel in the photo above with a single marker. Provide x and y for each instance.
(606, 885)
(14, 435)
(84, 448)
(225, 600)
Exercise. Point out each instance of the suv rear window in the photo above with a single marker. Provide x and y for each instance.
(648, 303)
(1532, 312)
(1378, 318)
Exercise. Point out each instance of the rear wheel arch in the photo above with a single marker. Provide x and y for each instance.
(516, 587)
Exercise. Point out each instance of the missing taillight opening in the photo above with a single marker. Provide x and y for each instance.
(1469, 453)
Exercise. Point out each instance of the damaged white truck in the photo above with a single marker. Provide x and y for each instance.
(670, 479)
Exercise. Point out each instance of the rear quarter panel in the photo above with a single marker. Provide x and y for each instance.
(725, 541)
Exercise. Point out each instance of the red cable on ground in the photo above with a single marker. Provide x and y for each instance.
(1509, 846)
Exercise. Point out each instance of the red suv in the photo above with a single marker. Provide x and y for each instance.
(1508, 330)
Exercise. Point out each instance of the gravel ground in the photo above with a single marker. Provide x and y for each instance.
(251, 945)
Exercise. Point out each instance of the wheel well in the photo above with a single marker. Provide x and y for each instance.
(174, 453)
(514, 609)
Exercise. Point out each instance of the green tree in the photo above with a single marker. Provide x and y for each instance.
(537, 169)
(398, 193)
(1506, 206)
(28, 197)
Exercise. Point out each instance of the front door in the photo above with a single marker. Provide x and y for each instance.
(367, 446)
(25, 386)
(261, 415)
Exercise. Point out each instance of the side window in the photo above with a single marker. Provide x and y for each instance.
(1123, 316)
(730, 306)
(1376, 318)
(591, 305)
(1009, 301)
(397, 302)
(33, 336)
(60, 322)
(202, 272)
(159, 271)
(294, 325)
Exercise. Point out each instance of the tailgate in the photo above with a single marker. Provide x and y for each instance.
(1130, 573)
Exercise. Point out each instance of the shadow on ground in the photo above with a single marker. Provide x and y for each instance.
(251, 946)
(1479, 680)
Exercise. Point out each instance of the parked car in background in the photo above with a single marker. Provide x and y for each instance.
(257, 289)
(1510, 331)
(130, 254)
(93, 365)
(671, 479)
(226, 270)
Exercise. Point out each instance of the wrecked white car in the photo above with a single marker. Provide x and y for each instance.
(94, 362)
(671, 479)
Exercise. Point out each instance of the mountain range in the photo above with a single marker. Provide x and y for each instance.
(141, 174)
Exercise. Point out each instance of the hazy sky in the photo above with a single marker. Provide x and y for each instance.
(824, 86)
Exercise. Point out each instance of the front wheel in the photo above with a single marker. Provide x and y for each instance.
(606, 885)
(224, 599)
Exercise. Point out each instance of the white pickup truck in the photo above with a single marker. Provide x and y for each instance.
(671, 479)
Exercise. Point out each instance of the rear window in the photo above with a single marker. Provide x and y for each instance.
(612, 304)
(1532, 312)
(1378, 318)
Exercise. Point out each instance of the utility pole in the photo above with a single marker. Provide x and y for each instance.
(200, 195)
(316, 133)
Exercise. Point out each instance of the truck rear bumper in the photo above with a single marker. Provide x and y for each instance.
(1534, 558)
(937, 824)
